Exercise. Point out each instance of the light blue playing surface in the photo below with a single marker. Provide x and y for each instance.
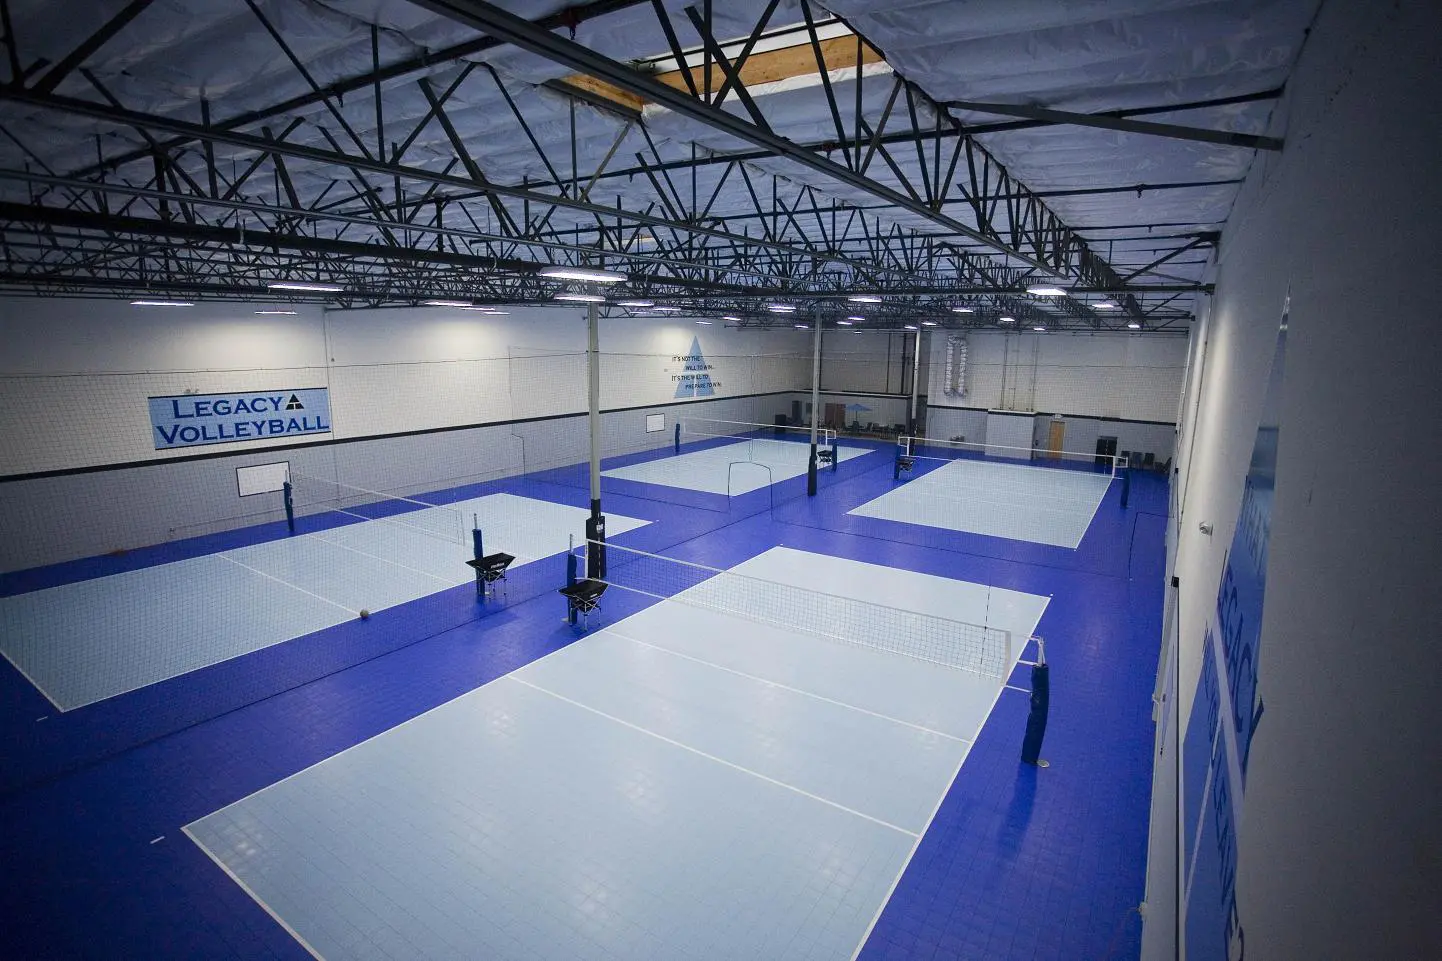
(83, 642)
(685, 784)
(1018, 501)
(733, 469)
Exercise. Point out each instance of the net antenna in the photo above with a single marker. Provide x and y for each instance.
(937, 449)
(318, 496)
(974, 648)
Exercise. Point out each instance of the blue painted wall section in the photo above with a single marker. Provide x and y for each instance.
(1228, 705)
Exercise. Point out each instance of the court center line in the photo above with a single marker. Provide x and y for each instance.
(375, 557)
(785, 687)
(718, 760)
(227, 557)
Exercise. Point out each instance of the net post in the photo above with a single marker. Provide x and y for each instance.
(835, 454)
(1126, 470)
(571, 580)
(1040, 704)
(596, 543)
(676, 442)
(478, 551)
(289, 507)
(815, 401)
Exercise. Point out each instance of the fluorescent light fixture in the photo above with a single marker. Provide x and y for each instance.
(781, 308)
(910, 326)
(704, 323)
(636, 303)
(864, 299)
(309, 288)
(1038, 327)
(161, 303)
(848, 323)
(962, 310)
(583, 273)
(1046, 291)
(1006, 320)
(928, 323)
(734, 320)
(855, 318)
(1134, 324)
(581, 298)
(276, 313)
(488, 311)
(1105, 305)
(446, 303)
(663, 308)
(803, 326)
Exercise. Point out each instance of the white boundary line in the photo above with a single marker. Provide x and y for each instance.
(785, 687)
(906, 863)
(253, 896)
(33, 683)
(718, 760)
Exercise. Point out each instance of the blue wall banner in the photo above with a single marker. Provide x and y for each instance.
(195, 420)
(1228, 705)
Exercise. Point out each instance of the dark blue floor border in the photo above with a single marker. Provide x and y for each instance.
(1018, 862)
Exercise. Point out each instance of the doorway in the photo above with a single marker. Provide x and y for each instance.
(1055, 434)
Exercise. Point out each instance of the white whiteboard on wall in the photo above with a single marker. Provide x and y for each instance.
(1009, 434)
(262, 478)
(655, 422)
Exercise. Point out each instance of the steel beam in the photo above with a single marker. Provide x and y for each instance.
(506, 26)
(1112, 122)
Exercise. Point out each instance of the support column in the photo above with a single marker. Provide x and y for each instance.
(915, 386)
(815, 402)
(596, 523)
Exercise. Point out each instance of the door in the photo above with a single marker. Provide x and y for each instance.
(836, 416)
(1054, 438)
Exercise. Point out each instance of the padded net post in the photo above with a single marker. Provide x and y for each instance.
(596, 547)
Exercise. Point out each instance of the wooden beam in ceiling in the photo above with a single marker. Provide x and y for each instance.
(761, 68)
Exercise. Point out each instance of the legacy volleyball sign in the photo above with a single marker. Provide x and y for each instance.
(192, 420)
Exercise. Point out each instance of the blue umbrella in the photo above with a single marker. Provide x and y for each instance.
(857, 407)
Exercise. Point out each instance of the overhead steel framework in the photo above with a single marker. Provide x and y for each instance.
(380, 183)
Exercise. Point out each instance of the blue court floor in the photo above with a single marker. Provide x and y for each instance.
(688, 782)
(1014, 862)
